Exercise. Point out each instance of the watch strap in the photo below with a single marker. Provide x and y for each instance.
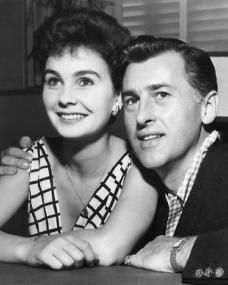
(173, 254)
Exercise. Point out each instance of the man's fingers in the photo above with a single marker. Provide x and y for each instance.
(25, 142)
(8, 170)
(134, 260)
(17, 153)
(14, 157)
(15, 162)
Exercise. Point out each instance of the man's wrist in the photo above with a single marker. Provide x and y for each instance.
(180, 252)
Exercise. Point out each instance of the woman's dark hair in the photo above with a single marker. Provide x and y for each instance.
(198, 65)
(71, 29)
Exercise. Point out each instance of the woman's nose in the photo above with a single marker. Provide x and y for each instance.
(67, 96)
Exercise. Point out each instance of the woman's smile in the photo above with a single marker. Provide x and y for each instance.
(71, 116)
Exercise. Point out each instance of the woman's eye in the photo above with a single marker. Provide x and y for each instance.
(85, 81)
(52, 82)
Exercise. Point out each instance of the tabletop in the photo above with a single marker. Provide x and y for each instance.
(12, 274)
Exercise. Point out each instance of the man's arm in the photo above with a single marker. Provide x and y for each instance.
(208, 260)
(13, 158)
(160, 254)
(202, 259)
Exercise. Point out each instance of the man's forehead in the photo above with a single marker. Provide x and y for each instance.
(162, 69)
(164, 58)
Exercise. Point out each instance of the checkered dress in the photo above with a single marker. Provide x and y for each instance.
(44, 216)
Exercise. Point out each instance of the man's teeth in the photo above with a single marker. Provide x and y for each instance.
(72, 116)
(150, 137)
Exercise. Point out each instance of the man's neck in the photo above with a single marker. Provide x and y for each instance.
(173, 173)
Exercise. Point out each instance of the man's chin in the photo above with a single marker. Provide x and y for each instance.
(150, 162)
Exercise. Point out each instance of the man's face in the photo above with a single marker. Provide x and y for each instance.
(162, 112)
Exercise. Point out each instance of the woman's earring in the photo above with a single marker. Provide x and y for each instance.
(117, 106)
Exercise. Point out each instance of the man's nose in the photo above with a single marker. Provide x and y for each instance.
(146, 112)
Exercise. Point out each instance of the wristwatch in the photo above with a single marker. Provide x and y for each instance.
(173, 254)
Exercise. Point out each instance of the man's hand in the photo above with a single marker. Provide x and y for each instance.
(156, 254)
(13, 158)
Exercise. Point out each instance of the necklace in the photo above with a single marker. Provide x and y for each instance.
(85, 212)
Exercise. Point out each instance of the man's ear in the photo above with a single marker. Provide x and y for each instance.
(209, 107)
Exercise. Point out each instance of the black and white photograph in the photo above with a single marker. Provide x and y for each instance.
(113, 142)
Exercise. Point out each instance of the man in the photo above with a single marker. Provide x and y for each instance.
(170, 96)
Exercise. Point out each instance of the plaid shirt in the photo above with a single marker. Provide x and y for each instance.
(177, 202)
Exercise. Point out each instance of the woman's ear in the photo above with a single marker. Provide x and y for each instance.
(117, 106)
(209, 107)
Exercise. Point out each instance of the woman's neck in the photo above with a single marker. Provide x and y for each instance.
(86, 159)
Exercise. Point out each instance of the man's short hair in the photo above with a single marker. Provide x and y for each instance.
(198, 65)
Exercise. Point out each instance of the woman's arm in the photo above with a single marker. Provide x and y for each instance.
(53, 251)
(127, 223)
(132, 215)
(13, 192)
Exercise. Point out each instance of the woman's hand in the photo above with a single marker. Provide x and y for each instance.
(14, 157)
(59, 252)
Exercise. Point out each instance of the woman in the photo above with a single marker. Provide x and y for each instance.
(74, 181)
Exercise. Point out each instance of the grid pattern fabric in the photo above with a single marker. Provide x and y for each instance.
(177, 202)
(43, 206)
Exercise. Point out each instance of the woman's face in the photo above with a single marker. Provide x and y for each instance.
(78, 93)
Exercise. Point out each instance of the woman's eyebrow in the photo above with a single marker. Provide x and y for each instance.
(51, 71)
(86, 72)
(75, 74)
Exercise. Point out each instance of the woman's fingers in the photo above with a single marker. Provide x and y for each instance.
(89, 255)
(62, 253)
(51, 261)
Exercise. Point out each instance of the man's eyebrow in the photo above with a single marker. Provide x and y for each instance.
(154, 87)
(128, 93)
(150, 87)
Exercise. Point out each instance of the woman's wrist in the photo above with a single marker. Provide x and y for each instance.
(23, 250)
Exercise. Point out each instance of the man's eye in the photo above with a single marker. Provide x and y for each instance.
(129, 101)
(161, 95)
(85, 81)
